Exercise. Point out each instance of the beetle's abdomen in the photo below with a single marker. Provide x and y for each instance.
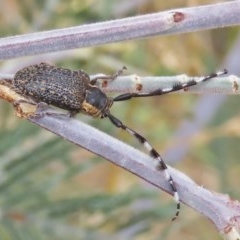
(59, 87)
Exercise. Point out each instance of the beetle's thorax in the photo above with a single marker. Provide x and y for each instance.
(96, 102)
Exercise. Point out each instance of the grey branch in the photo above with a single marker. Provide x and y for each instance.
(218, 208)
(161, 23)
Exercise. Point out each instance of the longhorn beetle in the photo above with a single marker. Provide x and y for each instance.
(75, 92)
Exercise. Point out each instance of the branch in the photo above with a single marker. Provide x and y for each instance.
(163, 23)
(218, 208)
(134, 83)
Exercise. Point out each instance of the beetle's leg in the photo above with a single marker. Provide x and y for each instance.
(108, 77)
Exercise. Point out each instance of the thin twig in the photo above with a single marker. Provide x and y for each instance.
(134, 83)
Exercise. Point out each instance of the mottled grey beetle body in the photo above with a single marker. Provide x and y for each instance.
(63, 88)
